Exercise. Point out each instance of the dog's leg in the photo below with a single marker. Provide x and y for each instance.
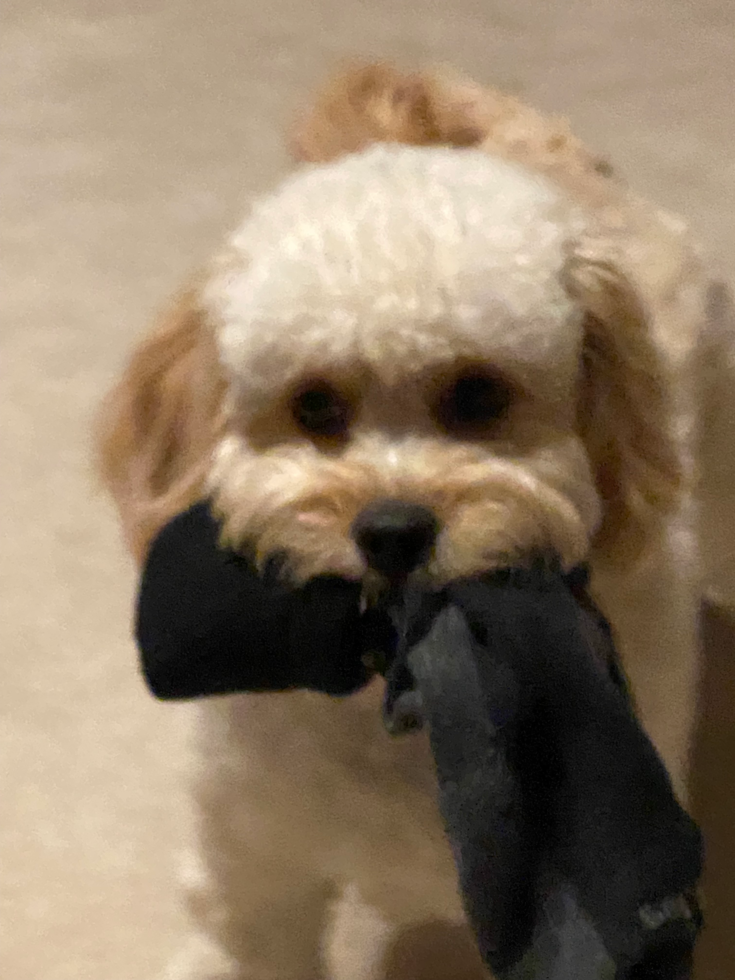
(255, 887)
(201, 958)
(255, 918)
(655, 612)
(402, 914)
(297, 797)
(357, 938)
(363, 944)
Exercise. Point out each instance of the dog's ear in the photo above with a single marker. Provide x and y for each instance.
(625, 409)
(379, 104)
(158, 425)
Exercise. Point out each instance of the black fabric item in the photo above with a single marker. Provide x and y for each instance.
(575, 860)
(207, 623)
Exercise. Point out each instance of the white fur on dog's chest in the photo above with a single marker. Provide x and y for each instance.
(319, 781)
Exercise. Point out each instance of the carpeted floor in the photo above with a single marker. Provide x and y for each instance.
(131, 135)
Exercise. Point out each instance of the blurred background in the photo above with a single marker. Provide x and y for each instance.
(132, 135)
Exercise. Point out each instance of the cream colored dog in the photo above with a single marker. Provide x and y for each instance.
(489, 325)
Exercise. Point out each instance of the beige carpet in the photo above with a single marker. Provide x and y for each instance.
(131, 134)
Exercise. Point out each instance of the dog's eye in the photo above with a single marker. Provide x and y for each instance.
(472, 402)
(321, 411)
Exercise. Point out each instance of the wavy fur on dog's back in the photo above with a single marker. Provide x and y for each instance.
(380, 104)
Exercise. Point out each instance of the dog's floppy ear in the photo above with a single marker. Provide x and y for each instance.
(158, 425)
(625, 411)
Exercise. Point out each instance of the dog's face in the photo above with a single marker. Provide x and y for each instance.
(408, 352)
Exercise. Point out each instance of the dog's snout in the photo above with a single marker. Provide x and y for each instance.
(394, 536)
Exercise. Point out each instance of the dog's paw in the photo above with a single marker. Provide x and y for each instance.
(202, 959)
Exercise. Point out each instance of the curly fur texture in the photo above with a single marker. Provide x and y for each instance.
(376, 103)
(493, 241)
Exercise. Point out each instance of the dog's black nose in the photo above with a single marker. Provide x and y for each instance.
(395, 537)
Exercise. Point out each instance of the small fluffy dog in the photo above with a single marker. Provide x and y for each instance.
(457, 306)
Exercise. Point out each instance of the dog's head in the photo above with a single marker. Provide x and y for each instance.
(425, 358)
(430, 360)
(403, 356)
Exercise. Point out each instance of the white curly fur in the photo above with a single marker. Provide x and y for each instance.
(399, 257)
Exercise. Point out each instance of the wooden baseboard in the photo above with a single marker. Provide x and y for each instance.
(713, 794)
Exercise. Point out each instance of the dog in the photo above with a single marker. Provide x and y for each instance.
(454, 305)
